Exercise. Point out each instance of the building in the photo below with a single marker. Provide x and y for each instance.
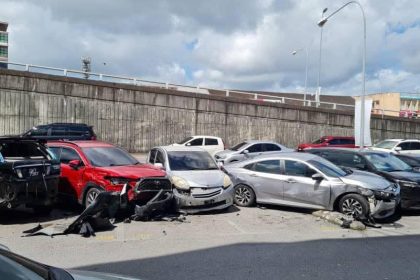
(4, 44)
(395, 104)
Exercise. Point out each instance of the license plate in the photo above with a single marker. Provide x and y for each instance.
(33, 172)
(211, 201)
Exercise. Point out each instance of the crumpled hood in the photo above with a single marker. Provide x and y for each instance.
(406, 175)
(132, 171)
(366, 180)
(201, 178)
(90, 275)
(225, 153)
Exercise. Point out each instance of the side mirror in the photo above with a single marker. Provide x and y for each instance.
(188, 144)
(75, 164)
(397, 149)
(159, 165)
(245, 152)
(317, 177)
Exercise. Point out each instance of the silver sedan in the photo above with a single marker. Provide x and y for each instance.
(309, 181)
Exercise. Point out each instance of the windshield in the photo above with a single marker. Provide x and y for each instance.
(387, 162)
(191, 160)
(319, 141)
(109, 156)
(185, 140)
(387, 144)
(328, 168)
(238, 146)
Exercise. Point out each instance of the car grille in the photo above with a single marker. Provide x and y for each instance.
(153, 184)
(207, 194)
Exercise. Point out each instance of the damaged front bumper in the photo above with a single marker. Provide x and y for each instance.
(40, 192)
(381, 209)
(202, 200)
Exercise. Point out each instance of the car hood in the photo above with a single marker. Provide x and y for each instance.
(225, 153)
(201, 178)
(366, 180)
(90, 275)
(405, 175)
(132, 171)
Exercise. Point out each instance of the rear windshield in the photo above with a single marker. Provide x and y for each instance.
(238, 146)
(23, 150)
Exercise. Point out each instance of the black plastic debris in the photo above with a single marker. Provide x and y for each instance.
(161, 204)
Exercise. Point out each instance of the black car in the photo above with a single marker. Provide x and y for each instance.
(381, 163)
(411, 159)
(29, 174)
(61, 131)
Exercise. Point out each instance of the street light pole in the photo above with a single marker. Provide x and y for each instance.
(318, 92)
(306, 73)
(321, 23)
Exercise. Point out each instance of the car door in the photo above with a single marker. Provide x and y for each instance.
(270, 148)
(414, 147)
(299, 189)
(265, 177)
(405, 147)
(71, 179)
(211, 145)
(195, 142)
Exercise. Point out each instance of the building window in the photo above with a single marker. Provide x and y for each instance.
(4, 38)
(3, 51)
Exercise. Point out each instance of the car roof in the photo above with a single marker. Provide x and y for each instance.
(356, 151)
(399, 140)
(62, 124)
(208, 136)
(179, 148)
(82, 143)
(259, 141)
(286, 155)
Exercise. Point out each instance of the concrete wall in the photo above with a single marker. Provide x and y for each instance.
(138, 118)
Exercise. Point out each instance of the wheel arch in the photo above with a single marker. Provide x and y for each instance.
(86, 188)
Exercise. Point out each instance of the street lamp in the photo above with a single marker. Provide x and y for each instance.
(321, 23)
(318, 92)
(306, 72)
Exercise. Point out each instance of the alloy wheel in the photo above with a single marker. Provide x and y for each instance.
(243, 195)
(91, 197)
(352, 207)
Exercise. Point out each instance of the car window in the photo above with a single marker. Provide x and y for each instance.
(22, 150)
(77, 130)
(160, 158)
(10, 269)
(185, 140)
(271, 147)
(415, 146)
(347, 141)
(410, 161)
(38, 131)
(211, 142)
(56, 151)
(68, 154)
(335, 142)
(152, 156)
(404, 146)
(319, 141)
(267, 166)
(58, 131)
(327, 167)
(256, 148)
(296, 168)
(196, 142)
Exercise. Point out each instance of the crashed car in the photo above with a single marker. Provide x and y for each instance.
(91, 167)
(309, 181)
(29, 174)
(199, 184)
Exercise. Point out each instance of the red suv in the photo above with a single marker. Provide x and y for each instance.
(91, 167)
(329, 141)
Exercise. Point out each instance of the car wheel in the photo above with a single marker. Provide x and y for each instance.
(91, 195)
(354, 205)
(244, 196)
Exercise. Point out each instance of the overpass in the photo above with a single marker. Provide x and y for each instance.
(138, 117)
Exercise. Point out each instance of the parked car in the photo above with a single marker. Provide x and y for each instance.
(402, 146)
(91, 167)
(308, 181)
(211, 144)
(329, 141)
(381, 163)
(249, 149)
(16, 267)
(199, 184)
(29, 174)
(411, 159)
(61, 131)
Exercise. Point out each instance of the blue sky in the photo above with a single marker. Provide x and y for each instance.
(236, 44)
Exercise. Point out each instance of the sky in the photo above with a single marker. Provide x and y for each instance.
(224, 44)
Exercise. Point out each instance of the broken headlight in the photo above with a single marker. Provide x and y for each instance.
(407, 184)
(381, 195)
(180, 183)
(226, 182)
(118, 180)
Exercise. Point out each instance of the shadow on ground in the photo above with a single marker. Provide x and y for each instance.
(364, 258)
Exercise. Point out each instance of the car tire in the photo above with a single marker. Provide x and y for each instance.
(244, 196)
(91, 195)
(354, 205)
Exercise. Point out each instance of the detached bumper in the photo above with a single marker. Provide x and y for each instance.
(32, 193)
(187, 203)
(383, 209)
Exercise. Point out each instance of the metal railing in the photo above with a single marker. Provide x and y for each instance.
(196, 89)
